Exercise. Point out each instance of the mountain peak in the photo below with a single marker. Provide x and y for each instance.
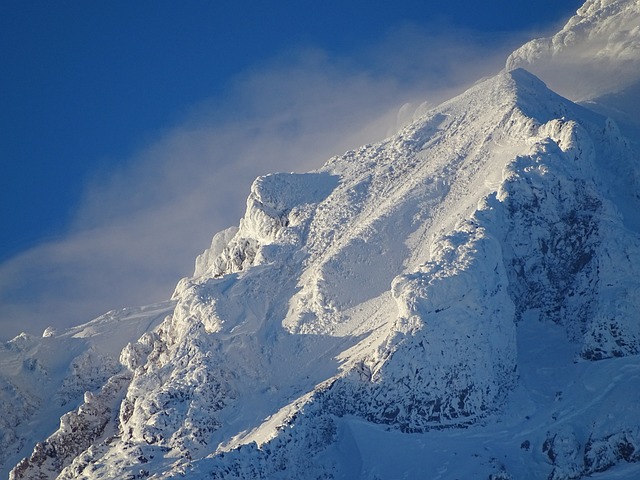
(595, 54)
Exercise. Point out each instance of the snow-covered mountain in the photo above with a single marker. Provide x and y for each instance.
(594, 59)
(43, 378)
(458, 301)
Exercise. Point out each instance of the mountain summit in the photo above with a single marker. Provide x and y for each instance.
(594, 60)
(457, 301)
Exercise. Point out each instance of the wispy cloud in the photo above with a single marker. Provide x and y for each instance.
(140, 227)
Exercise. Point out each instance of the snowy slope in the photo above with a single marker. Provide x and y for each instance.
(43, 378)
(458, 301)
(594, 59)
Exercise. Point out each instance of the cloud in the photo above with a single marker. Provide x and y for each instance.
(596, 54)
(139, 227)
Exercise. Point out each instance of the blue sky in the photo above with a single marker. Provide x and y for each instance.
(131, 130)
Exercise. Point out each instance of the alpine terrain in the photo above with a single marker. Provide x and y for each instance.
(459, 301)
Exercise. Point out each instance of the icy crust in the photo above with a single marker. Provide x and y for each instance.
(388, 287)
(596, 53)
(276, 201)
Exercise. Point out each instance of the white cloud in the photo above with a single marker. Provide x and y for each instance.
(140, 227)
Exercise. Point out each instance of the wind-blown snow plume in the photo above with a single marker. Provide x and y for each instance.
(139, 228)
(595, 58)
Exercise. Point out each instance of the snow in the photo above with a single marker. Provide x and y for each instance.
(457, 301)
(594, 60)
(48, 376)
(596, 53)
